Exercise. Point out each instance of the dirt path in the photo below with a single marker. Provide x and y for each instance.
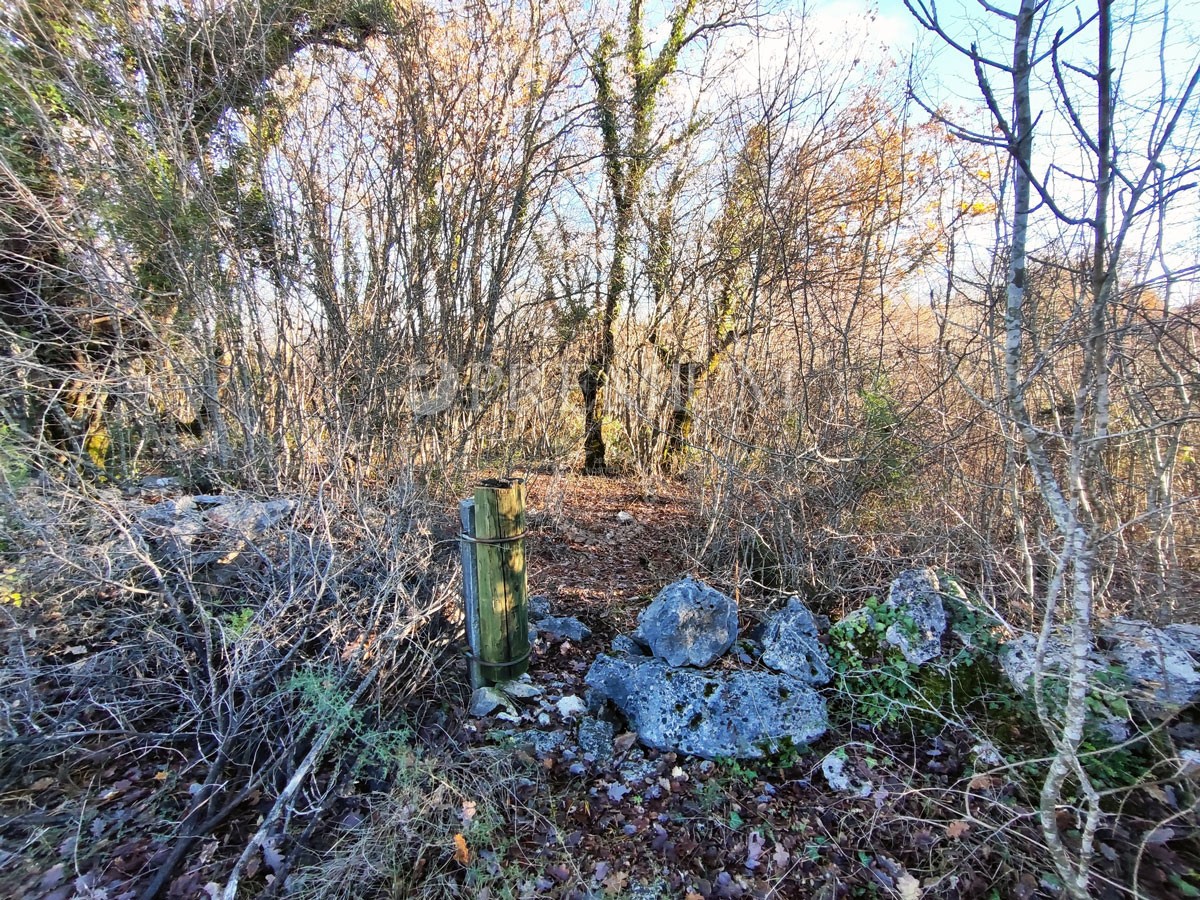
(594, 563)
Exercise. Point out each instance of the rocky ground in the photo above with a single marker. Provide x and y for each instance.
(537, 795)
(918, 808)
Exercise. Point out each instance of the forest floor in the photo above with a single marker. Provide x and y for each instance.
(927, 817)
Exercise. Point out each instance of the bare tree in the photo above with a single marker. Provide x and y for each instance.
(1119, 188)
(627, 95)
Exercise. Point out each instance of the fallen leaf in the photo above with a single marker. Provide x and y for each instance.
(909, 887)
(615, 882)
(781, 858)
(616, 792)
(461, 853)
(53, 877)
(958, 829)
(271, 856)
(983, 782)
(755, 844)
(469, 809)
(623, 742)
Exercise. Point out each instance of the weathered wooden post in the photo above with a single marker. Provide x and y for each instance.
(494, 581)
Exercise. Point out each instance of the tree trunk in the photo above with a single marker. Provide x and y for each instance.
(590, 380)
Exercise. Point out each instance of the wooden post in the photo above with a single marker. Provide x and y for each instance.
(470, 576)
(503, 620)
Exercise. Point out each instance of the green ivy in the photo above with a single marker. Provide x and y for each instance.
(882, 687)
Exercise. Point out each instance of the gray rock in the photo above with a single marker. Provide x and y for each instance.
(688, 624)
(1162, 672)
(563, 628)
(1186, 636)
(570, 705)
(596, 737)
(624, 643)
(741, 715)
(916, 595)
(168, 512)
(791, 644)
(544, 742)
(485, 700)
(522, 690)
(175, 526)
(162, 483)
(636, 769)
(1017, 658)
(1189, 762)
(250, 517)
(539, 607)
(833, 767)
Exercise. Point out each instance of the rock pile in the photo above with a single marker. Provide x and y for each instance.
(684, 682)
(201, 529)
(660, 678)
(1158, 669)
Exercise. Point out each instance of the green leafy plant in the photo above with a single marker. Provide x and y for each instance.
(14, 461)
(889, 457)
(885, 688)
(237, 624)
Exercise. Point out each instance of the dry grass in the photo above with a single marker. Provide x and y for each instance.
(213, 681)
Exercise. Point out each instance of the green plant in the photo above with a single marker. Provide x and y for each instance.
(14, 461)
(888, 457)
(10, 595)
(710, 794)
(885, 688)
(737, 771)
(786, 754)
(324, 703)
(237, 624)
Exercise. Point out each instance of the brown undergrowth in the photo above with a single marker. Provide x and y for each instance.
(295, 714)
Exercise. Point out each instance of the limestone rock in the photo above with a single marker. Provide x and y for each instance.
(175, 526)
(539, 607)
(485, 700)
(595, 737)
(740, 715)
(522, 688)
(792, 645)
(1017, 658)
(250, 517)
(563, 628)
(834, 767)
(1187, 637)
(624, 643)
(916, 595)
(570, 705)
(1162, 673)
(688, 624)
